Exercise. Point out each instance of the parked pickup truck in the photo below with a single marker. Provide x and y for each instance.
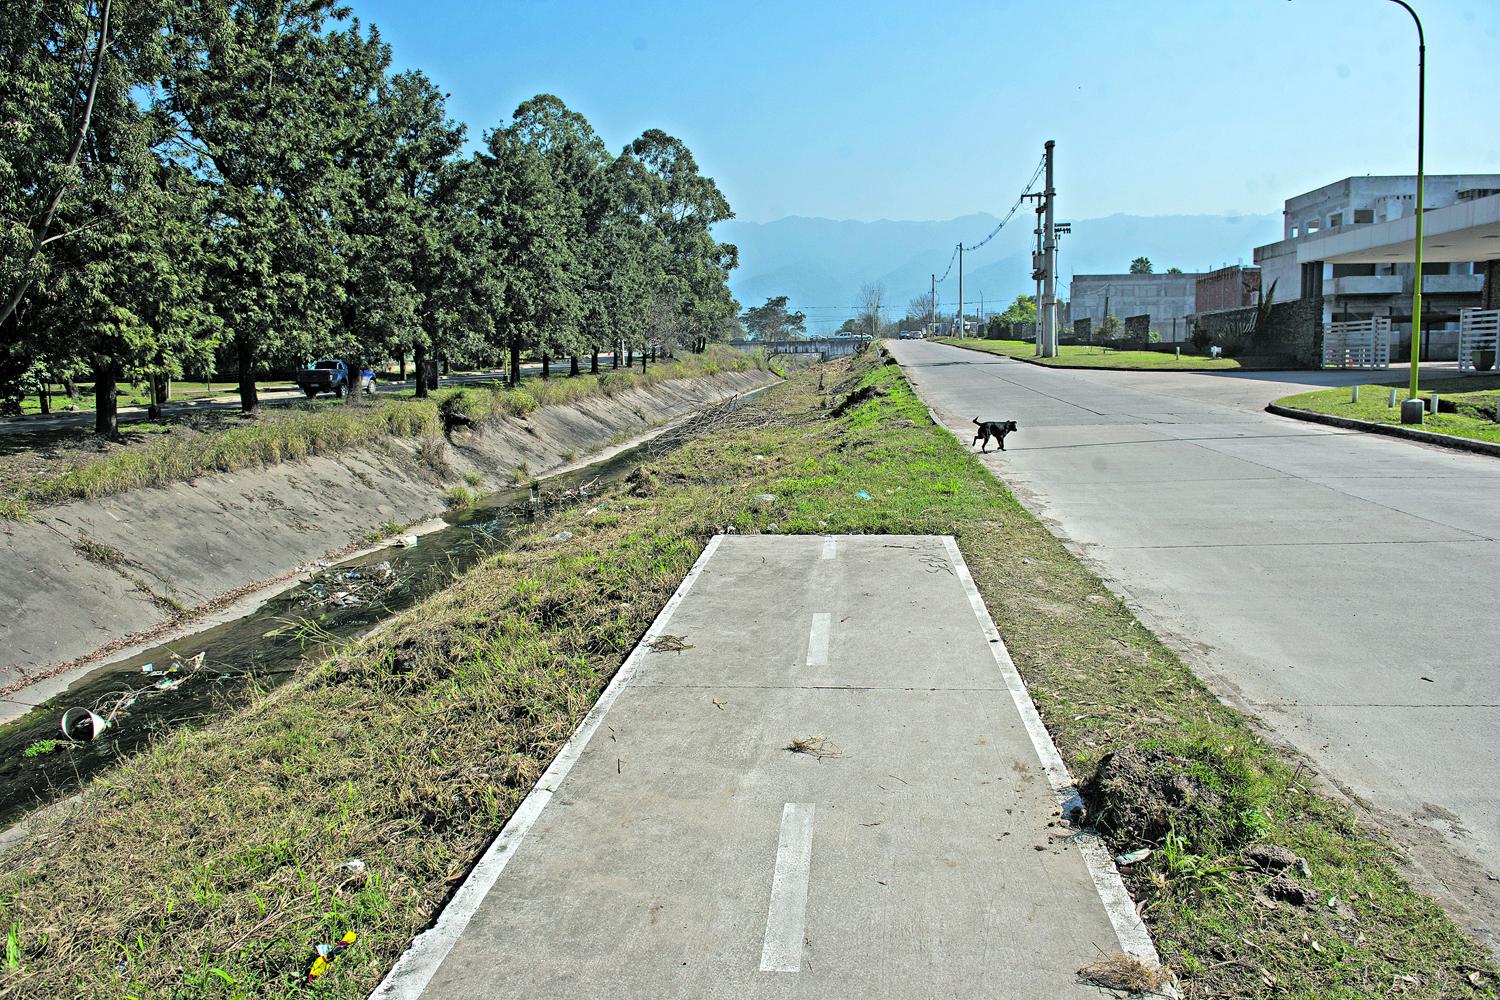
(332, 376)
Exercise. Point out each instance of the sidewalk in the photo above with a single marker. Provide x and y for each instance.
(678, 848)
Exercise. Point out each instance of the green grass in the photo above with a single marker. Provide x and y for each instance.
(1094, 357)
(1474, 398)
(139, 394)
(460, 497)
(288, 433)
(213, 860)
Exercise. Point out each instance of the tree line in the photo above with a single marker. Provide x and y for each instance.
(184, 182)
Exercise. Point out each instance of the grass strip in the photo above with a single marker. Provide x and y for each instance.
(1466, 405)
(210, 864)
(1086, 356)
(138, 394)
(288, 433)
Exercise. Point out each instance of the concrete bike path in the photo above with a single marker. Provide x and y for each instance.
(678, 848)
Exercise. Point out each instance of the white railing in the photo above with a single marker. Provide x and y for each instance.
(1478, 330)
(1364, 343)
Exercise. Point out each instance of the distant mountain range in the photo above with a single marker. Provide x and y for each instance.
(822, 263)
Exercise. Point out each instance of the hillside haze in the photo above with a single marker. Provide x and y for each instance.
(822, 263)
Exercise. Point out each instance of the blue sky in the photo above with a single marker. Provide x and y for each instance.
(928, 111)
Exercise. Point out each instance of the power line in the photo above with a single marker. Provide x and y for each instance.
(993, 232)
(949, 267)
(1008, 215)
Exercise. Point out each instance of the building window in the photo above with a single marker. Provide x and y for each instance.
(1363, 216)
(1335, 220)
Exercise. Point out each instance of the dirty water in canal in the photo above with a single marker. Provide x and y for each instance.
(135, 700)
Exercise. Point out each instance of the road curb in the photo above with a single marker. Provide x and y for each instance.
(1106, 368)
(1390, 430)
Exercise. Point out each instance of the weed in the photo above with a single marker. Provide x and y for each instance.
(41, 748)
(459, 497)
(474, 478)
(432, 452)
(13, 508)
(99, 552)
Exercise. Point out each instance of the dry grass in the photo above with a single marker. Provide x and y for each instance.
(1125, 973)
(820, 747)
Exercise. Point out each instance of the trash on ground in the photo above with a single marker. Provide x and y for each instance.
(816, 746)
(1123, 972)
(579, 492)
(328, 954)
(665, 643)
(1133, 857)
(863, 495)
(84, 724)
(406, 541)
(561, 536)
(354, 866)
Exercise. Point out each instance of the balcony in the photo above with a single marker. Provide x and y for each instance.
(1453, 284)
(1367, 284)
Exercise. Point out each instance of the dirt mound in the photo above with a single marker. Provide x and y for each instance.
(1138, 795)
(643, 482)
(858, 396)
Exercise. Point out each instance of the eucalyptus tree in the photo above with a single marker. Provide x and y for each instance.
(683, 205)
(266, 96)
(48, 106)
(431, 237)
(101, 275)
(578, 163)
(533, 290)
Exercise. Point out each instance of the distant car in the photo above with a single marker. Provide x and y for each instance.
(904, 335)
(332, 375)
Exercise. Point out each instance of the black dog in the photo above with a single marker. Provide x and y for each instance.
(996, 429)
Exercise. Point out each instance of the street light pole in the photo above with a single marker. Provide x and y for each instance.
(1416, 287)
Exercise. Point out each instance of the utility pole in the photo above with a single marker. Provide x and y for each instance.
(960, 289)
(1036, 275)
(931, 304)
(1049, 254)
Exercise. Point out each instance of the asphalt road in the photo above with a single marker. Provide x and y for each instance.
(1343, 586)
(678, 848)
